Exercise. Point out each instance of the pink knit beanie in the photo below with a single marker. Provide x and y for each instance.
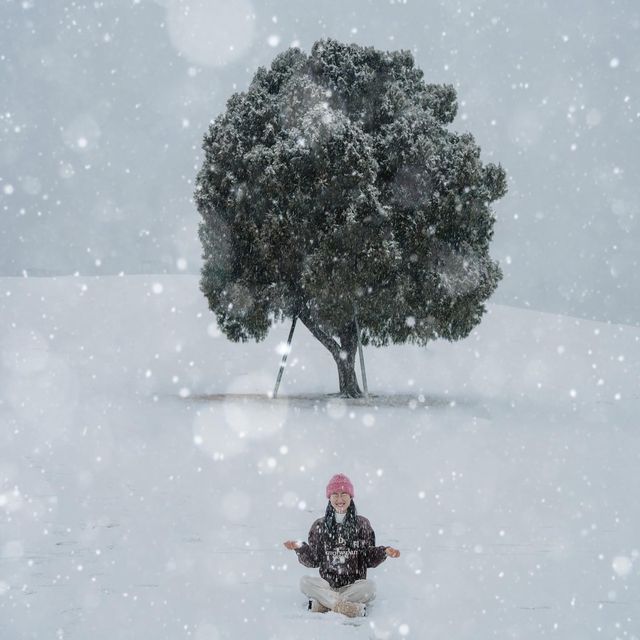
(338, 484)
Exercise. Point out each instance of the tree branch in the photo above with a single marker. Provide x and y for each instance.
(319, 334)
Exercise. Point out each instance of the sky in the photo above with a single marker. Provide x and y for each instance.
(104, 106)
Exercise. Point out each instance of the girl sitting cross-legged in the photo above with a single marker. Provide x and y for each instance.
(342, 545)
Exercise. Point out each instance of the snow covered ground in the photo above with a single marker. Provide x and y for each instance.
(146, 485)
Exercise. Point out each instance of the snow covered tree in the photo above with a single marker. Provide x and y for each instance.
(333, 187)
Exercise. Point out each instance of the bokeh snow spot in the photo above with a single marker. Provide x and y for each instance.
(267, 464)
(368, 420)
(283, 348)
(213, 330)
(66, 170)
(336, 408)
(248, 416)
(622, 565)
(211, 32)
(11, 501)
(214, 437)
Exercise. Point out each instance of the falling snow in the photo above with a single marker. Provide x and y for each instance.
(162, 459)
(147, 479)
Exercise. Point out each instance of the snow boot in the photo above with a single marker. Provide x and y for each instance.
(350, 609)
(317, 607)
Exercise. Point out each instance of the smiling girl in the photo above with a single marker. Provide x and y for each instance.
(343, 545)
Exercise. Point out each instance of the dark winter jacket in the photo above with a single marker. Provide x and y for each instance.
(342, 552)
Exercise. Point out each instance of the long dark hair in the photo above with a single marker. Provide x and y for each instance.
(349, 524)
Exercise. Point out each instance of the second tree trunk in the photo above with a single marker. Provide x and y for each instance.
(346, 362)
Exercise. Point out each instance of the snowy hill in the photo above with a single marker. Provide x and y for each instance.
(146, 485)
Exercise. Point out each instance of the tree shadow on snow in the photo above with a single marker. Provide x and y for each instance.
(323, 400)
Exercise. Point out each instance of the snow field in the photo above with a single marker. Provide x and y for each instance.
(146, 484)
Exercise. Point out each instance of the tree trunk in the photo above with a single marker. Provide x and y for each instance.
(346, 362)
(344, 354)
(347, 376)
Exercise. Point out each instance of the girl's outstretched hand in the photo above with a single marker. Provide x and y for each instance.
(392, 553)
(292, 544)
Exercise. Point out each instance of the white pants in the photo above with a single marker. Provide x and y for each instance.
(319, 589)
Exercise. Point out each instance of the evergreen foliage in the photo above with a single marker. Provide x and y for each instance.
(333, 183)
